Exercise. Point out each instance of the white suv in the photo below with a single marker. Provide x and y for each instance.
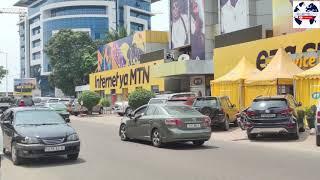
(318, 125)
(122, 108)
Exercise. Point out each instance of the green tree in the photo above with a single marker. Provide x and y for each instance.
(104, 102)
(72, 57)
(89, 100)
(139, 98)
(3, 73)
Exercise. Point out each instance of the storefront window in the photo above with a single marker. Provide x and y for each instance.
(285, 89)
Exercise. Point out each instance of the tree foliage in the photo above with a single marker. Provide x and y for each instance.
(104, 102)
(3, 72)
(139, 98)
(72, 57)
(89, 100)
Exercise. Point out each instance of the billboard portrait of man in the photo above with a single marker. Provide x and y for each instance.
(197, 29)
(179, 23)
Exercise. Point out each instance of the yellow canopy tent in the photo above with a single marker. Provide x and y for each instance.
(280, 71)
(307, 86)
(231, 84)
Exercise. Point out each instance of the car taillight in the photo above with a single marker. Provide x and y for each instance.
(207, 122)
(173, 122)
(318, 117)
(286, 112)
(250, 113)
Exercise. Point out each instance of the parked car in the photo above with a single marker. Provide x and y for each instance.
(220, 110)
(273, 115)
(162, 123)
(318, 125)
(60, 108)
(5, 103)
(40, 101)
(37, 132)
(122, 108)
(185, 98)
(77, 109)
(23, 101)
(158, 101)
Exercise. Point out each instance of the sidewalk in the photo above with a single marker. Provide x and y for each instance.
(306, 143)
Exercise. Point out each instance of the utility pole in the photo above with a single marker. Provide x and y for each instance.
(6, 71)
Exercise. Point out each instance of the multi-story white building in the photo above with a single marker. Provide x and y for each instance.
(46, 17)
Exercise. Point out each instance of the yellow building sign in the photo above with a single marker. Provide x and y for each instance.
(304, 47)
(130, 78)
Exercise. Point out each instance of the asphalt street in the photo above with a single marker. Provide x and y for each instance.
(104, 157)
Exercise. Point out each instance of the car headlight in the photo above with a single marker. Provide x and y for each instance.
(30, 140)
(73, 137)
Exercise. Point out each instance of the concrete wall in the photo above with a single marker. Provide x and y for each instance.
(211, 21)
(260, 13)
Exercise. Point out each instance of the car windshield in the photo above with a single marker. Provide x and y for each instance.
(264, 104)
(53, 100)
(206, 102)
(57, 105)
(181, 110)
(37, 118)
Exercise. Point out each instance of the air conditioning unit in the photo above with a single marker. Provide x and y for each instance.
(184, 57)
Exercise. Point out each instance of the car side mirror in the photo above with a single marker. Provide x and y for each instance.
(138, 116)
(67, 120)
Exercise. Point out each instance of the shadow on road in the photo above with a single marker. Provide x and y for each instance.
(178, 146)
(281, 138)
(220, 130)
(47, 162)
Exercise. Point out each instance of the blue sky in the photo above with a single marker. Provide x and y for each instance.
(9, 38)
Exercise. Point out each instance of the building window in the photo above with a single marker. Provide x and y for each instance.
(79, 10)
(139, 15)
(97, 35)
(36, 43)
(36, 55)
(136, 27)
(34, 20)
(36, 31)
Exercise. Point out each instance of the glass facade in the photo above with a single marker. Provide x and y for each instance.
(76, 10)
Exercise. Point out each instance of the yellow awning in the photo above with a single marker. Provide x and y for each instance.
(313, 73)
(281, 68)
(243, 70)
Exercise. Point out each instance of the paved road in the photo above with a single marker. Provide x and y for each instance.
(104, 157)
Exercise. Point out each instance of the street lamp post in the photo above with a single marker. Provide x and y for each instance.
(6, 70)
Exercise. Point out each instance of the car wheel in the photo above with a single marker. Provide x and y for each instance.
(156, 138)
(318, 140)
(123, 132)
(16, 159)
(295, 136)
(198, 143)
(235, 123)
(101, 111)
(252, 136)
(73, 157)
(120, 114)
(226, 124)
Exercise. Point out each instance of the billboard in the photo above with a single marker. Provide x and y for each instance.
(24, 87)
(179, 23)
(304, 48)
(282, 17)
(197, 23)
(121, 53)
(234, 15)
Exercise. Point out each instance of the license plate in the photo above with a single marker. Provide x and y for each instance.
(193, 125)
(54, 148)
(268, 115)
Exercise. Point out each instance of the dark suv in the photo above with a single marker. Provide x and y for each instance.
(219, 109)
(273, 115)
